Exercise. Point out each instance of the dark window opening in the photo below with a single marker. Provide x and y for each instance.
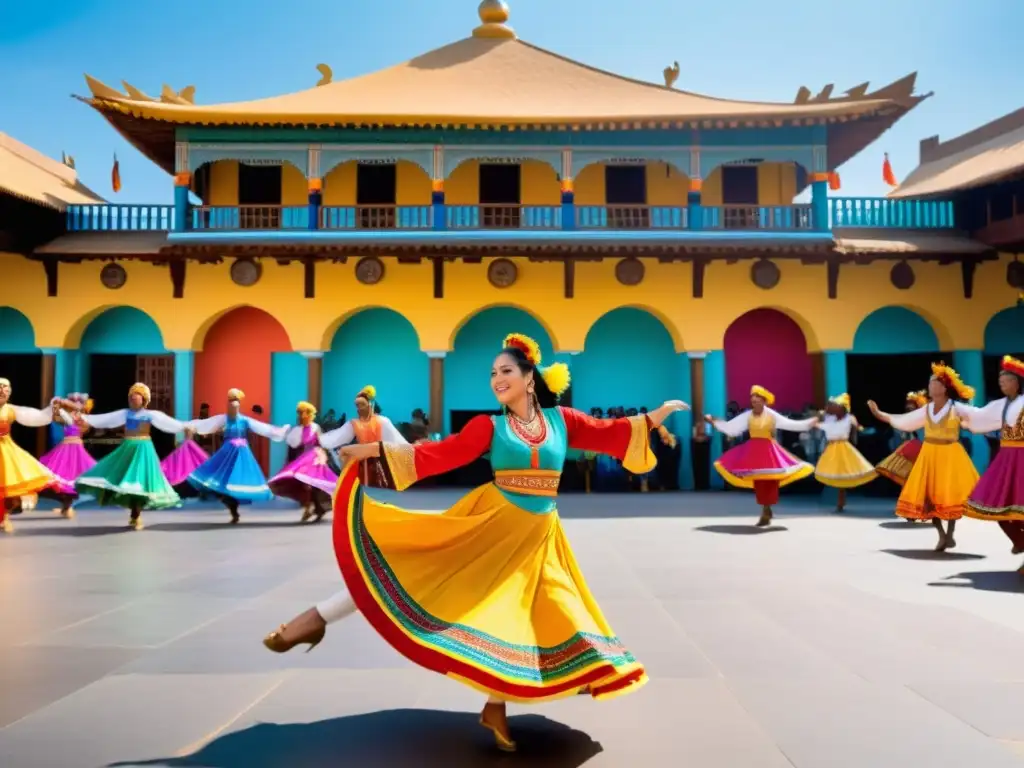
(259, 194)
(739, 188)
(625, 193)
(500, 195)
(376, 194)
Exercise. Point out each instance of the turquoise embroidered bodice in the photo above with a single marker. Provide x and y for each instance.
(508, 452)
(236, 428)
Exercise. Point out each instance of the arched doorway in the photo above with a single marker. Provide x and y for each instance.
(379, 347)
(20, 360)
(120, 346)
(1004, 335)
(767, 347)
(238, 352)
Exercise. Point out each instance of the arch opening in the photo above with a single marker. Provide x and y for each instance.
(20, 363)
(1004, 335)
(768, 347)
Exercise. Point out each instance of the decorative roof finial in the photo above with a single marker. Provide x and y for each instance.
(494, 15)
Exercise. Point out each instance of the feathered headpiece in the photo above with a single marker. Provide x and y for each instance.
(843, 400)
(138, 388)
(235, 394)
(952, 380)
(556, 376)
(304, 407)
(1012, 365)
(760, 391)
(369, 392)
(919, 399)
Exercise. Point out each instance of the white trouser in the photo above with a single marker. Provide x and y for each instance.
(339, 605)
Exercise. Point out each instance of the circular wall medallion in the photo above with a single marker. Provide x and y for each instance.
(630, 271)
(245, 272)
(113, 276)
(902, 276)
(1015, 274)
(765, 274)
(370, 270)
(502, 273)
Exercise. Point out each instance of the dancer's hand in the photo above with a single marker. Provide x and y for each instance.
(190, 433)
(873, 407)
(675, 405)
(709, 418)
(658, 415)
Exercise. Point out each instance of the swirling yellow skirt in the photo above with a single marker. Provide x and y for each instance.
(20, 473)
(939, 484)
(486, 593)
(842, 466)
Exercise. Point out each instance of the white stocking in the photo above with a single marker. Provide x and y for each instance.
(336, 607)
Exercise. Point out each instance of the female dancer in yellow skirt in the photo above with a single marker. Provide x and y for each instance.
(487, 593)
(20, 474)
(841, 465)
(943, 476)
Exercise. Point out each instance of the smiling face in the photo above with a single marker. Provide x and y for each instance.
(135, 401)
(363, 407)
(508, 382)
(936, 389)
(1009, 384)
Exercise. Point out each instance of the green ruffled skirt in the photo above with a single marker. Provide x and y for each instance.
(128, 477)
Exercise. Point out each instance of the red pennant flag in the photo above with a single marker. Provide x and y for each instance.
(115, 176)
(887, 175)
(833, 181)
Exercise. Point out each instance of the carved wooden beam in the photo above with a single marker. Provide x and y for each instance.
(178, 277)
(438, 265)
(51, 266)
(569, 267)
(309, 278)
(967, 269)
(698, 278)
(833, 278)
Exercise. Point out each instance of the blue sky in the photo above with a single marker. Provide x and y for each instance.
(235, 50)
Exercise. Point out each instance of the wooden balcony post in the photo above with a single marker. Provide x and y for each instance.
(436, 415)
(315, 187)
(819, 202)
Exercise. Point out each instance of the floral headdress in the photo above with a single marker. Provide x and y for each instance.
(760, 391)
(235, 394)
(952, 380)
(843, 400)
(1012, 365)
(919, 399)
(138, 388)
(369, 392)
(556, 376)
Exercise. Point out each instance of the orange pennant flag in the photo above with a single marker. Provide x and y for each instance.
(887, 175)
(115, 176)
(833, 181)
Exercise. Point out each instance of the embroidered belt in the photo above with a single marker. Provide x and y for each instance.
(939, 441)
(72, 440)
(1011, 443)
(529, 482)
(136, 437)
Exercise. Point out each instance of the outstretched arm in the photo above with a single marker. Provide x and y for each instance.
(734, 427)
(408, 464)
(32, 417)
(338, 437)
(166, 423)
(903, 422)
(207, 426)
(627, 439)
(792, 425)
(110, 420)
(389, 433)
(269, 431)
(982, 420)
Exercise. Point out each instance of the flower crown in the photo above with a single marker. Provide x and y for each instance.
(843, 400)
(919, 399)
(952, 380)
(556, 376)
(1012, 365)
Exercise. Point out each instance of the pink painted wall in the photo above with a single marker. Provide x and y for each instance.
(766, 347)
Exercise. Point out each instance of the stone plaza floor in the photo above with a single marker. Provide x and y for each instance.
(825, 641)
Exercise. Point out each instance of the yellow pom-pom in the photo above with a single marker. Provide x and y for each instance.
(557, 378)
(369, 392)
(525, 344)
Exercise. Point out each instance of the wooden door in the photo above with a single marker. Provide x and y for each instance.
(157, 372)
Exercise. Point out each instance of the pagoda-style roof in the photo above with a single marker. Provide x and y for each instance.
(989, 154)
(32, 176)
(494, 80)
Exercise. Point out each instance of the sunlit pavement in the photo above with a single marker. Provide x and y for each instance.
(825, 641)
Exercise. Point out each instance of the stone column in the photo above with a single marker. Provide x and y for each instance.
(969, 363)
(834, 363)
(184, 384)
(682, 422)
(436, 413)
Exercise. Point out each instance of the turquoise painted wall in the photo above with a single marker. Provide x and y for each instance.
(289, 384)
(123, 331)
(628, 359)
(378, 347)
(467, 370)
(894, 331)
(18, 336)
(1004, 334)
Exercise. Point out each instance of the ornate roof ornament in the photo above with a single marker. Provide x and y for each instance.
(494, 18)
(671, 74)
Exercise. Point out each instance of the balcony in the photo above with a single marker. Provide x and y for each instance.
(795, 220)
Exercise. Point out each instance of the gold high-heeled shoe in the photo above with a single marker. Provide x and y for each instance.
(501, 740)
(275, 640)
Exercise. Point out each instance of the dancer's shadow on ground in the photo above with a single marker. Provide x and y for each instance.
(986, 581)
(213, 524)
(390, 739)
(741, 530)
(930, 554)
(902, 525)
(70, 529)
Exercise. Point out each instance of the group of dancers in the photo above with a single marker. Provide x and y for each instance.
(132, 476)
(939, 481)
